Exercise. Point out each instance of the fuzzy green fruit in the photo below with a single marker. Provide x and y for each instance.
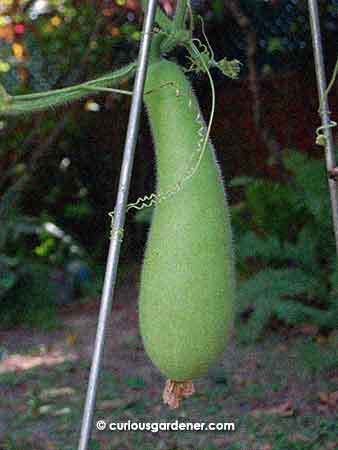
(187, 282)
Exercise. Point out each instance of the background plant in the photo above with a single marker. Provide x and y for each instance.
(71, 41)
(285, 249)
(33, 251)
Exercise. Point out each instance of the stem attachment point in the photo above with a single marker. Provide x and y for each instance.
(175, 391)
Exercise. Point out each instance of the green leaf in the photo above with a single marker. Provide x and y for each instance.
(9, 261)
(294, 313)
(250, 245)
(258, 320)
(276, 283)
(79, 210)
(310, 177)
(9, 201)
(218, 9)
(293, 160)
(271, 206)
(304, 252)
(7, 280)
(275, 45)
(135, 383)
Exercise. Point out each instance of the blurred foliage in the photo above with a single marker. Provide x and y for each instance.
(51, 44)
(285, 249)
(65, 164)
(32, 252)
(282, 30)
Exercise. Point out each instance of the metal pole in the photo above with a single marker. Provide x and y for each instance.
(119, 218)
(325, 113)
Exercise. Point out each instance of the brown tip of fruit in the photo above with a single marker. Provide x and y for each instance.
(175, 391)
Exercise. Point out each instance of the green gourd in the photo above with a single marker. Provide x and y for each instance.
(186, 299)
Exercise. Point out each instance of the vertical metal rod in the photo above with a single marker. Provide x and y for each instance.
(119, 219)
(325, 113)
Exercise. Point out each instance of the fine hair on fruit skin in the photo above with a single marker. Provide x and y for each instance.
(186, 303)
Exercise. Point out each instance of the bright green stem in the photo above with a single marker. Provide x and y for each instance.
(161, 18)
(29, 103)
(179, 34)
(180, 13)
(105, 89)
(155, 48)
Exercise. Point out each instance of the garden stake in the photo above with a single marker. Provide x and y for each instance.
(120, 210)
(324, 113)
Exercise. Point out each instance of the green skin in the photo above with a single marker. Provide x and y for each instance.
(187, 283)
(187, 286)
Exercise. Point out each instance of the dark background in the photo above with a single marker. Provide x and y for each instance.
(279, 37)
(59, 172)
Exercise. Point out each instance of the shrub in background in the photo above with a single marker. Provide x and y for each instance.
(285, 249)
(40, 266)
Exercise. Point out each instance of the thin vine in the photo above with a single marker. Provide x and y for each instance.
(201, 60)
(30, 103)
(155, 198)
(320, 131)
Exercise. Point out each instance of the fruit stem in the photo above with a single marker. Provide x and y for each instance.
(175, 391)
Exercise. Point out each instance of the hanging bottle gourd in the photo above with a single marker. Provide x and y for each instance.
(187, 283)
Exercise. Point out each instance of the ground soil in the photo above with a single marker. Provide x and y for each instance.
(276, 392)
